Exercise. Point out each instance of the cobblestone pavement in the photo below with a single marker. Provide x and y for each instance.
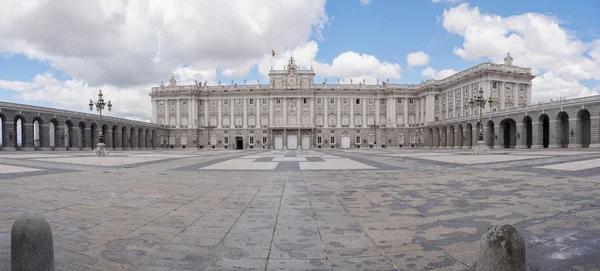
(376, 209)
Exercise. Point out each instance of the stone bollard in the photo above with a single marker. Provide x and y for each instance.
(31, 245)
(502, 248)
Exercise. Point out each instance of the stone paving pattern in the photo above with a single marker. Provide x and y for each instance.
(398, 210)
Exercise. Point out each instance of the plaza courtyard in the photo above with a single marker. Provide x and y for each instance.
(372, 209)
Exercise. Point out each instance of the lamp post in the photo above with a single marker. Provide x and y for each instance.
(100, 104)
(480, 102)
(374, 127)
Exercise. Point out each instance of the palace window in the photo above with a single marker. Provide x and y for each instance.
(331, 101)
(370, 120)
(494, 85)
(332, 140)
(410, 101)
(161, 104)
(226, 140)
(521, 87)
(251, 101)
(264, 140)
(225, 102)
(345, 101)
(264, 101)
(184, 102)
(278, 101)
(357, 140)
(213, 121)
(264, 120)
(172, 102)
(345, 120)
(251, 140)
(370, 101)
(201, 102)
(305, 100)
(238, 101)
(319, 140)
(357, 101)
(319, 101)
(278, 120)
(213, 102)
(399, 100)
(357, 120)
(251, 121)
(319, 120)
(305, 120)
(331, 121)
(238, 121)
(226, 122)
(382, 101)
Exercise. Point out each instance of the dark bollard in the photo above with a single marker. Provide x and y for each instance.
(31, 245)
(502, 248)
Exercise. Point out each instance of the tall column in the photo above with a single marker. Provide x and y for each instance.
(405, 114)
(429, 108)
(377, 103)
(127, 139)
(154, 111)
(498, 137)
(59, 132)
(178, 113)
(44, 137)
(364, 113)
(270, 117)
(447, 105)
(245, 108)
(298, 111)
(27, 136)
(231, 113)
(219, 115)
(108, 138)
(466, 144)
(575, 139)
(167, 113)
(206, 119)
(285, 116)
(417, 110)
(87, 140)
(312, 111)
(257, 117)
(555, 135)
(116, 143)
(325, 113)
(352, 103)
(191, 111)
(339, 113)
(522, 138)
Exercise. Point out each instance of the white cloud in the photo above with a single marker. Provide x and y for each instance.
(534, 40)
(417, 59)
(365, 2)
(437, 75)
(446, 1)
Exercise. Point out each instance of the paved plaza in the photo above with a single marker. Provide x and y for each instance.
(360, 209)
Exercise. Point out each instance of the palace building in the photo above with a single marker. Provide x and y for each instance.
(294, 112)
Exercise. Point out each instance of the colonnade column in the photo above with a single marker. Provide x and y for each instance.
(338, 123)
(257, 116)
(108, 138)
(166, 116)
(351, 119)
(191, 114)
(537, 135)
(405, 114)
(27, 136)
(326, 114)
(219, 118)
(271, 117)
(285, 116)
(298, 110)
(312, 113)
(364, 113)
(177, 106)
(522, 138)
(377, 103)
(117, 143)
(59, 132)
(499, 140)
(245, 108)
(231, 114)
(574, 133)
(465, 144)
(45, 137)
(206, 119)
(595, 132)
(555, 139)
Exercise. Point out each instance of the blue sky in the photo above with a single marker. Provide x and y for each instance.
(387, 31)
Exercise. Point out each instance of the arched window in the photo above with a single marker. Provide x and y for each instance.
(331, 120)
(345, 120)
(264, 121)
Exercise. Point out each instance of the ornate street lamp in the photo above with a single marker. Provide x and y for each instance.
(480, 102)
(100, 104)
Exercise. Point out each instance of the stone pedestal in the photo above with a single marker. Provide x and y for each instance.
(101, 150)
(537, 146)
(31, 244)
(501, 248)
(520, 147)
(574, 146)
(594, 145)
(480, 148)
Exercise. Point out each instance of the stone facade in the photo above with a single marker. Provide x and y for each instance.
(295, 113)
(54, 129)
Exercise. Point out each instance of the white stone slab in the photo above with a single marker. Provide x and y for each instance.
(574, 166)
(289, 159)
(257, 156)
(31, 155)
(554, 153)
(107, 161)
(4, 169)
(163, 155)
(417, 154)
(478, 159)
(334, 164)
(242, 164)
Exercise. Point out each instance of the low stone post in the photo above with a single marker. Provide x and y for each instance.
(502, 248)
(31, 245)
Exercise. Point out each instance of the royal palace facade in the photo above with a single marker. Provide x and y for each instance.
(294, 112)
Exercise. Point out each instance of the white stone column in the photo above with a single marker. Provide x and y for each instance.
(405, 113)
(166, 116)
(430, 108)
(190, 114)
(257, 118)
(270, 114)
(245, 120)
(352, 103)
(339, 113)
(285, 116)
(312, 111)
(447, 105)
(298, 111)
(206, 119)
(325, 116)
(231, 115)
(418, 111)
(219, 115)
(377, 103)
(364, 113)
(178, 114)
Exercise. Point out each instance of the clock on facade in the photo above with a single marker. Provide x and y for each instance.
(291, 81)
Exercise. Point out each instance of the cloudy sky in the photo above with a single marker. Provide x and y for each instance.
(59, 53)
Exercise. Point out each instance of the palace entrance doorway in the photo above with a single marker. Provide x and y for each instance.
(239, 143)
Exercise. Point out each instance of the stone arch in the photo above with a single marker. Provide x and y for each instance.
(153, 138)
(3, 132)
(584, 128)
(94, 135)
(140, 141)
(460, 139)
(105, 135)
(69, 135)
(430, 139)
(132, 138)
(437, 138)
(81, 136)
(508, 133)
(479, 132)
(526, 134)
(19, 131)
(124, 139)
(469, 135)
(147, 143)
(491, 136)
(444, 137)
(450, 137)
(116, 141)
(54, 134)
(544, 131)
(562, 129)
(38, 133)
